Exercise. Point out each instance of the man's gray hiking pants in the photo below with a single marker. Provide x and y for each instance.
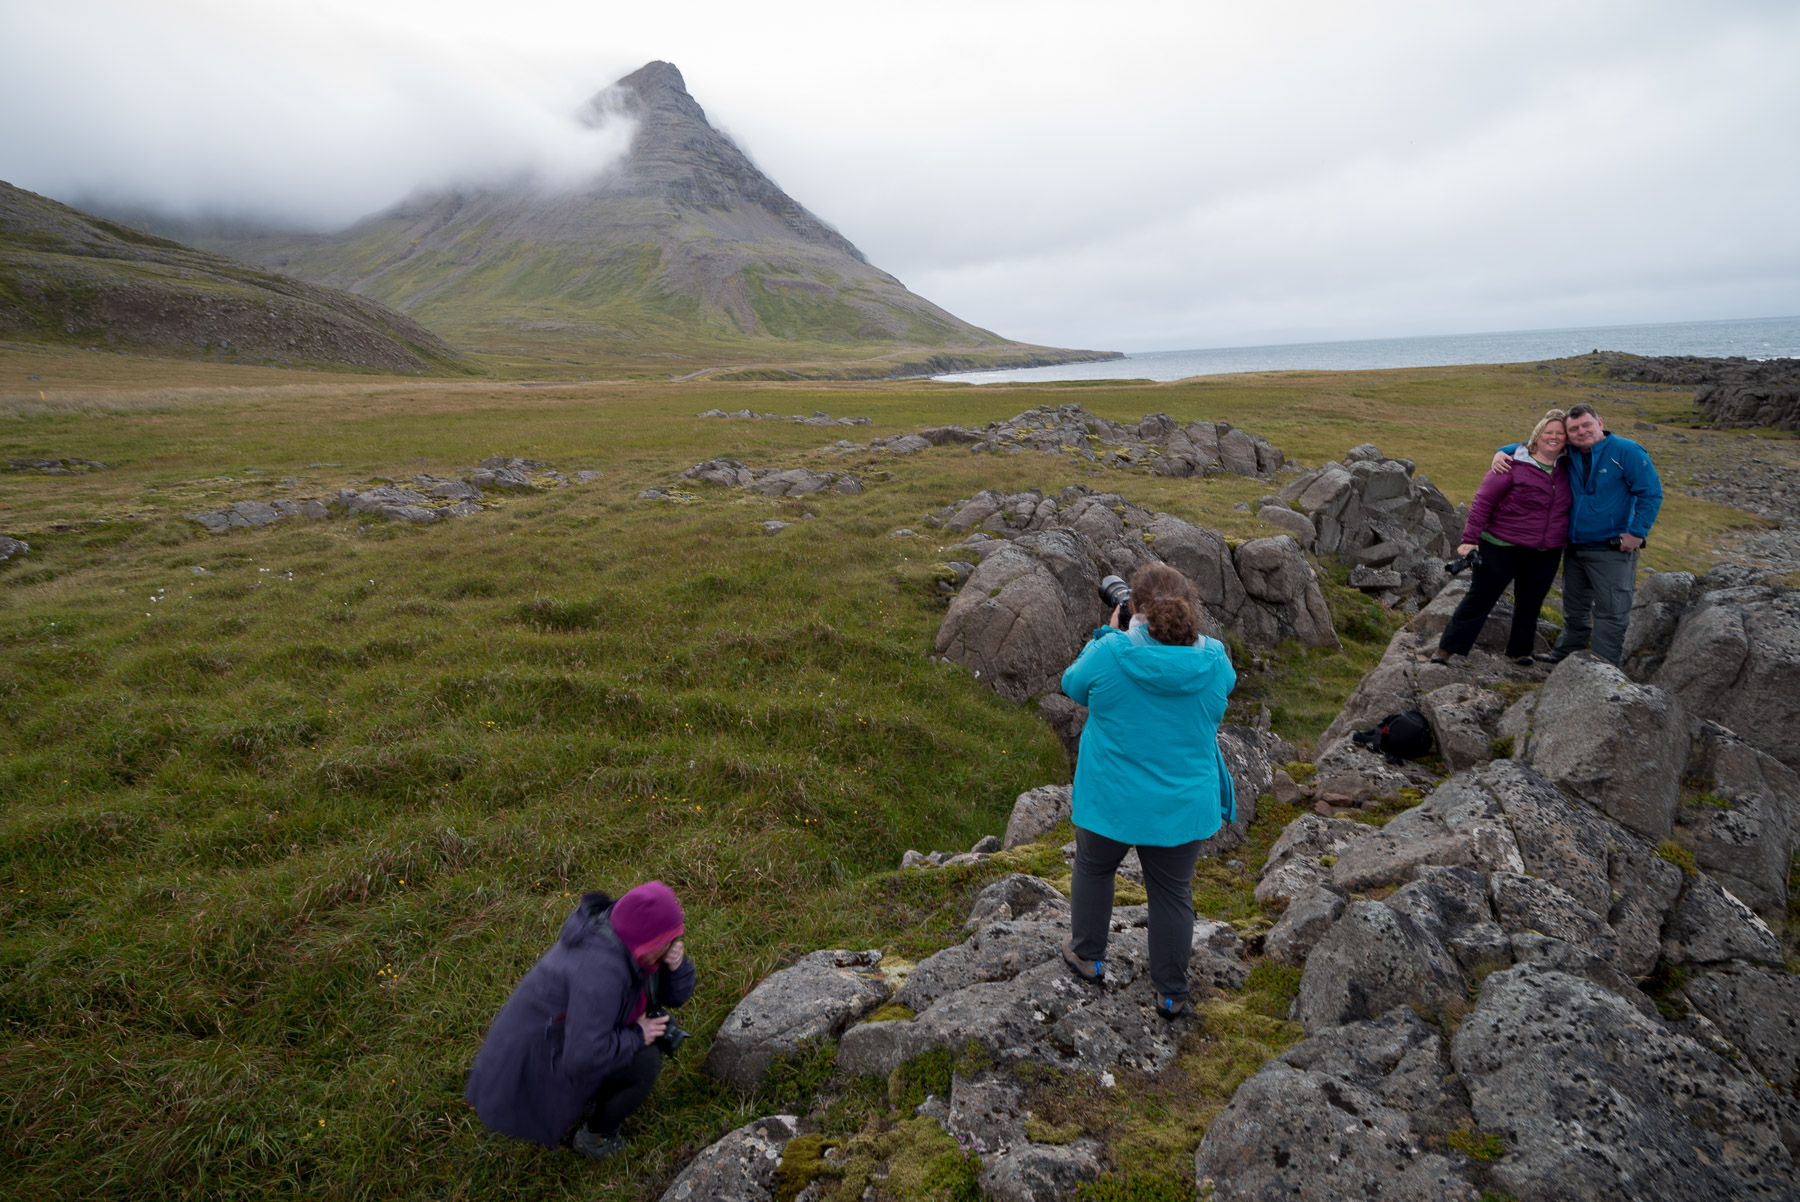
(1168, 879)
(1598, 584)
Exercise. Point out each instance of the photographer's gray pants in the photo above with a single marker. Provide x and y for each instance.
(1598, 584)
(1168, 879)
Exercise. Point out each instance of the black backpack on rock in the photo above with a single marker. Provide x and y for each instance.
(1404, 736)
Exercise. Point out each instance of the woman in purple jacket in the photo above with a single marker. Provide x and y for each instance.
(574, 1038)
(1519, 520)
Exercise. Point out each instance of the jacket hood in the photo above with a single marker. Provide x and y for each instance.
(590, 920)
(1167, 671)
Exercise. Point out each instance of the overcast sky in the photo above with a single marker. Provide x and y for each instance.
(1132, 176)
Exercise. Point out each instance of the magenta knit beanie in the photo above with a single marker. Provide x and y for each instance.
(647, 917)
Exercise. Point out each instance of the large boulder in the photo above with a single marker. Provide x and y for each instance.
(1461, 822)
(1734, 657)
(739, 1167)
(1591, 1099)
(1710, 926)
(1308, 917)
(1743, 824)
(815, 998)
(1358, 1111)
(1618, 744)
(1451, 905)
(1611, 873)
(1372, 959)
(1011, 625)
(1758, 1009)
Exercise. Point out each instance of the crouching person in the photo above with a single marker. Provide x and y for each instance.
(582, 1038)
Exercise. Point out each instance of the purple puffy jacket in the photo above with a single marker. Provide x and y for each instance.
(1527, 506)
(567, 1025)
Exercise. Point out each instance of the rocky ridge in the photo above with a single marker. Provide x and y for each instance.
(428, 499)
(1733, 393)
(1158, 443)
(1546, 980)
(818, 418)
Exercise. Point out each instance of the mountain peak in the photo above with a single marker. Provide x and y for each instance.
(679, 156)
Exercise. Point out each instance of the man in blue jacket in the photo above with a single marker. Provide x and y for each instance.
(1617, 497)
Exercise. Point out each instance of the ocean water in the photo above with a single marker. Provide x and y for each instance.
(1753, 338)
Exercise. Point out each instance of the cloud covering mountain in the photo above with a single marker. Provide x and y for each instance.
(1150, 175)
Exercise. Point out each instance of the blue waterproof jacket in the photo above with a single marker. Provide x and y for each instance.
(1150, 771)
(1617, 490)
(570, 1022)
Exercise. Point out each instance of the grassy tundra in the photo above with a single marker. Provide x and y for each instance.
(285, 813)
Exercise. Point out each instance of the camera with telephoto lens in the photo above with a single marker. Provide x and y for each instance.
(1458, 566)
(1117, 595)
(673, 1035)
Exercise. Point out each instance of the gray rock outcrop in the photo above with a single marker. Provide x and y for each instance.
(10, 547)
(1730, 649)
(771, 482)
(1158, 443)
(1759, 1011)
(1023, 614)
(1743, 822)
(819, 417)
(1393, 526)
(256, 513)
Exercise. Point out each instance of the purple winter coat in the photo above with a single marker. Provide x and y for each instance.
(567, 1025)
(1527, 507)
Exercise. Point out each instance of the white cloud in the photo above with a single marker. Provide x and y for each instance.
(1134, 176)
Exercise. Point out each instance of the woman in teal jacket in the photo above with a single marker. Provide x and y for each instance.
(1149, 774)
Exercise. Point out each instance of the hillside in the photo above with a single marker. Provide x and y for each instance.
(684, 247)
(68, 277)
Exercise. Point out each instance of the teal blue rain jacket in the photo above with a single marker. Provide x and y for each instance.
(1150, 770)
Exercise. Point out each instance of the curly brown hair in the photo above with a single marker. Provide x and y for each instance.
(1169, 602)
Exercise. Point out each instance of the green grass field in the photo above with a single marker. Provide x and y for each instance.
(286, 813)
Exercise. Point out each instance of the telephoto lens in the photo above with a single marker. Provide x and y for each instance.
(1116, 593)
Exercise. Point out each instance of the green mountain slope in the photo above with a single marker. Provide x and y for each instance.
(685, 245)
(69, 277)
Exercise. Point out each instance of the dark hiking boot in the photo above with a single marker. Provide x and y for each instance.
(1169, 1006)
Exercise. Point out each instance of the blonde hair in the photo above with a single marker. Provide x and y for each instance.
(1554, 415)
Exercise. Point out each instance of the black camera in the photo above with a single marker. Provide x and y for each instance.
(673, 1035)
(1117, 595)
(1458, 566)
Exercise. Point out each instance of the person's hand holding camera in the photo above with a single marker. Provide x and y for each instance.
(1463, 549)
(653, 1028)
(1117, 621)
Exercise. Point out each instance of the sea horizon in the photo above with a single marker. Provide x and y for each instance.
(1748, 337)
